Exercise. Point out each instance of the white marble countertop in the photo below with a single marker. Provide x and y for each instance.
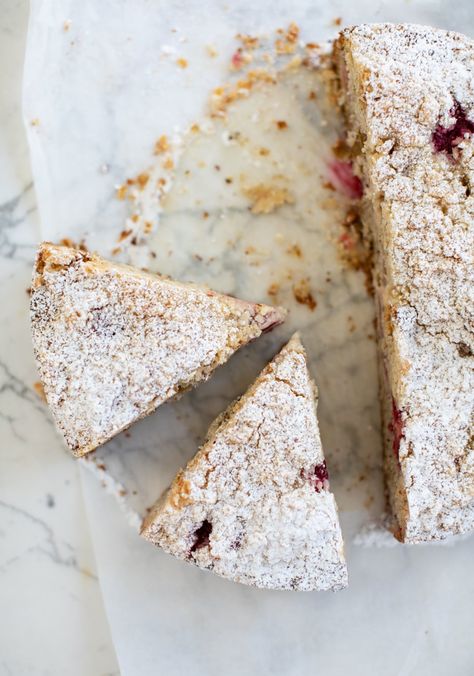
(51, 612)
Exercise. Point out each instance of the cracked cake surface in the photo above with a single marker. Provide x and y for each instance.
(112, 343)
(254, 504)
(407, 93)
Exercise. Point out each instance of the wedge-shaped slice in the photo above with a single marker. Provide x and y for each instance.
(408, 95)
(112, 342)
(254, 504)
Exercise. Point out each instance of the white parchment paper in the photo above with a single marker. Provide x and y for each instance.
(103, 81)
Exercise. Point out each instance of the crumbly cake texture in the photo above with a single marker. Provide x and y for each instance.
(254, 504)
(112, 342)
(407, 93)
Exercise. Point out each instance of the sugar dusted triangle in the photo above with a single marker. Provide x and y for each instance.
(408, 97)
(112, 343)
(254, 504)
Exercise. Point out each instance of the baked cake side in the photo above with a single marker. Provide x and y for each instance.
(254, 504)
(408, 97)
(112, 343)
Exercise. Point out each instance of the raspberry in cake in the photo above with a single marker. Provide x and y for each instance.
(112, 343)
(254, 504)
(407, 94)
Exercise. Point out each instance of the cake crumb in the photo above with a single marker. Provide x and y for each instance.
(295, 250)
(39, 389)
(273, 289)
(267, 198)
(303, 295)
(211, 51)
(161, 145)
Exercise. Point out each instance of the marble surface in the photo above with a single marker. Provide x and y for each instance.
(51, 612)
(95, 83)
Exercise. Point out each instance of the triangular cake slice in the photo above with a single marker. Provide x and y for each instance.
(112, 342)
(254, 504)
(408, 96)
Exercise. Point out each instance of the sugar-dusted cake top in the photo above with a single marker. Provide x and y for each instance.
(418, 89)
(254, 503)
(409, 95)
(112, 342)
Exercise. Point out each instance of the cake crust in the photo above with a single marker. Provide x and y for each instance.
(408, 96)
(112, 343)
(254, 504)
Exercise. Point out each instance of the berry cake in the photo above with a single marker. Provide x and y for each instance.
(254, 504)
(407, 94)
(112, 342)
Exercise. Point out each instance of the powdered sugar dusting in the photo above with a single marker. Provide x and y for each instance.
(266, 525)
(402, 84)
(112, 343)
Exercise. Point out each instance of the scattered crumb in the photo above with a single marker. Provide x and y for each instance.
(337, 21)
(351, 323)
(211, 51)
(168, 163)
(281, 124)
(286, 43)
(264, 152)
(223, 96)
(248, 41)
(229, 180)
(249, 250)
(195, 128)
(142, 179)
(35, 122)
(39, 389)
(162, 145)
(267, 198)
(182, 63)
(67, 25)
(295, 250)
(273, 289)
(303, 295)
(312, 96)
(205, 214)
(121, 191)
(124, 234)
